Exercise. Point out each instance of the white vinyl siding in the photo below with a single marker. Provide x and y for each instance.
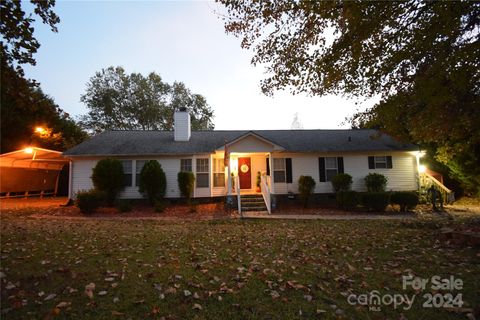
(401, 177)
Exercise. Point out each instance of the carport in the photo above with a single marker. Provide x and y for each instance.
(30, 172)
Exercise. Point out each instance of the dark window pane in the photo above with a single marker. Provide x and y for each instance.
(331, 173)
(127, 180)
(279, 176)
(202, 180)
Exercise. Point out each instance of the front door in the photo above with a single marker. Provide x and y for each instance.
(244, 173)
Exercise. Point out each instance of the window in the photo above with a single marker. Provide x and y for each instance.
(279, 170)
(138, 169)
(218, 172)
(127, 172)
(380, 162)
(186, 165)
(202, 173)
(331, 168)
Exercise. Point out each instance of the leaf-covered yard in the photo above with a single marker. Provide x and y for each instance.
(230, 269)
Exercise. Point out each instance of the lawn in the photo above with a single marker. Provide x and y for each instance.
(227, 269)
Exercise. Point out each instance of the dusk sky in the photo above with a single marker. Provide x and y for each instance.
(181, 41)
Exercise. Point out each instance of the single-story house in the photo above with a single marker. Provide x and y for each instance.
(281, 157)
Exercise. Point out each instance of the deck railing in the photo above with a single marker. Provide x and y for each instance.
(266, 193)
(239, 200)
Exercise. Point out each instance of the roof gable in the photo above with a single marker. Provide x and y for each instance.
(251, 142)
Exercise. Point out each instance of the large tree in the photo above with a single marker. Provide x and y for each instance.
(23, 104)
(422, 57)
(24, 107)
(18, 42)
(117, 100)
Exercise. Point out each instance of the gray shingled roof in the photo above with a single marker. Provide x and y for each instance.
(161, 142)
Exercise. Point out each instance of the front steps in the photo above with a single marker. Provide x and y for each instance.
(253, 202)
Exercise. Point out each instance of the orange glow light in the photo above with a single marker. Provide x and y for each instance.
(28, 150)
(39, 130)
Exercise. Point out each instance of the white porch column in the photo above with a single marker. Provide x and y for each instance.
(272, 184)
(229, 177)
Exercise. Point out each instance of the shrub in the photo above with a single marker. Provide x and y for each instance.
(306, 184)
(347, 200)
(186, 183)
(89, 201)
(108, 177)
(259, 179)
(124, 205)
(375, 182)
(406, 200)
(153, 182)
(160, 206)
(342, 182)
(375, 201)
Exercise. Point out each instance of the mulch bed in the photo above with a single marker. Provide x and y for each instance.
(296, 209)
(200, 211)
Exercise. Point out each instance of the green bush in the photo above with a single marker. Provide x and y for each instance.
(342, 182)
(375, 182)
(376, 201)
(306, 185)
(89, 200)
(347, 200)
(160, 205)
(108, 177)
(186, 183)
(124, 205)
(406, 200)
(153, 182)
(259, 179)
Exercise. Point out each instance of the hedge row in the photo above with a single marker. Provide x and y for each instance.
(377, 201)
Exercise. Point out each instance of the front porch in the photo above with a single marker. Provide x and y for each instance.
(246, 168)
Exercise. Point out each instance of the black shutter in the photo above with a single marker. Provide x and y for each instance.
(371, 162)
(268, 166)
(321, 168)
(389, 162)
(340, 165)
(288, 167)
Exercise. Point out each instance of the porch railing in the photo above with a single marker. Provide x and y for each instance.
(426, 181)
(239, 200)
(266, 193)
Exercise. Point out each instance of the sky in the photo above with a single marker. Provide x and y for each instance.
(182, 41)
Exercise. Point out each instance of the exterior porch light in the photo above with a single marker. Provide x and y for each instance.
(422, 168)
(40, 130)
(28, 150)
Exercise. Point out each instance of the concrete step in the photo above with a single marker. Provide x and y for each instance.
(253, 204)
(249, 196)
(259, 208)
